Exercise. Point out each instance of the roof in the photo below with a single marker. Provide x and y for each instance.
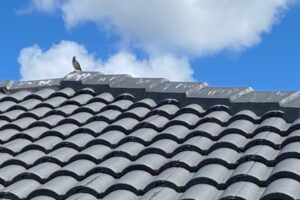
(95, 136)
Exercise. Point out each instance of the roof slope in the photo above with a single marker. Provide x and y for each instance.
(95, 136)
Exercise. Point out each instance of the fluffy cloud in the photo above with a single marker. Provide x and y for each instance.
(56, 62)
(190, 27)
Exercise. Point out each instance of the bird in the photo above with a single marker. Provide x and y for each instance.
(76, 64)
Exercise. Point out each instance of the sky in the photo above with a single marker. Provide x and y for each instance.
(222, 42)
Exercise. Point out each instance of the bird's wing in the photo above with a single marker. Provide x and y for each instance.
(78, 66)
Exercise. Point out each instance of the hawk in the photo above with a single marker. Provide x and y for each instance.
(76, 64)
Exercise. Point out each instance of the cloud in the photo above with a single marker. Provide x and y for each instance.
(189, 27)
(47, 6)
(56, 62)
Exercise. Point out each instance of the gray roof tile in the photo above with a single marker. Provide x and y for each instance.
(93, 136)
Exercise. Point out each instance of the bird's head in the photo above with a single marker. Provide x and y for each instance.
(74, 58)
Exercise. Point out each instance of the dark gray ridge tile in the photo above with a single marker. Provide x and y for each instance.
(200, 142)
(242, 189)
(276, 189)
(79, 167)
(5, 105)
(115, 164)
(22, 188)
(176, 175)
(55, 101)
(30, 156)
(105, 96)
(126, 123)
(248, 113)
(95, 106)
(275, 138)
(201, 192)
(190, 158)
(112, 137)
(35, 84)
(5, 84)
(59, 185)
(221, 116)
(122, 104)
(44, 93)
(9, 172)
(7, 134)
(290, 165)
(12, 115)
(140, 83)
(147, 101)
(138, 179)
(65, 129)
(4, 157)
(29, 104)
(258, 170)
(292, 101)
(82, 98)
(177, 87)
(170, 109)
(81, 117)
(138, 111)
(152, 161)
(235, 139)
(44, 170)
(157, 120)
(211, 128)
(67, 109)
(164, 193)
(83, 196)
(266, 152)
(218, 93)
(125, 194)
(276, 122)
(35, 132)
(52, 120)
(96, 126)
(188, 118)
(241, 124)
(63, 154)
(96, 78)
(109, 114)
(40, 112)
(165, 145)
(24, 122)
(130, 148)
(230, 156)
(145, 134)
(16, 145)
(98, 182)
(97, 151)
(48, 142)
(180, 132)
(215, 172)
(80, 140)
(261, 97)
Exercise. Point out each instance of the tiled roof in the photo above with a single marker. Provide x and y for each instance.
(94, 136)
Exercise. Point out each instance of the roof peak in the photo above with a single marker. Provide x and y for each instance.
(158, 88)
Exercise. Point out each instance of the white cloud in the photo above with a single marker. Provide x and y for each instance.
(56, 62)
(47, 6)
(190, 27)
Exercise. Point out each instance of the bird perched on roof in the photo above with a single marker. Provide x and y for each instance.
(76, 64)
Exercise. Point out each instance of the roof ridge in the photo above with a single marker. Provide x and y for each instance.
(259, 101)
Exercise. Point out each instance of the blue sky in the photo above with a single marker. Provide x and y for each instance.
(271, 64)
